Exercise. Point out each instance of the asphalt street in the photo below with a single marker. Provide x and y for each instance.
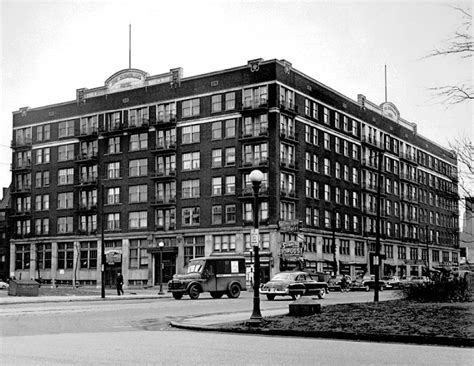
(136, 331)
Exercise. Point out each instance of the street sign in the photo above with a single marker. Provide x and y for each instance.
(254, 237)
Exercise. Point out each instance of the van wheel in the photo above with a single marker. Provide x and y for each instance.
(322, 293)
(177, 295)
(216, 294)
(270, 297)
(193, 292)
(234, 291)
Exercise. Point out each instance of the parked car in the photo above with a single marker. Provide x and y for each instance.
(218, 275)
(367, 283)
(414, 280)
(3, 285)
(294, 284)
(393, 281)
(334, 283)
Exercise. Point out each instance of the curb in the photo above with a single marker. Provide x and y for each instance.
(384, 338)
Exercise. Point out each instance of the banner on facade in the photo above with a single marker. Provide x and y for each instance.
(291, 250)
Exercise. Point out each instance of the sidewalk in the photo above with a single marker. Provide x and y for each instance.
(69, 294)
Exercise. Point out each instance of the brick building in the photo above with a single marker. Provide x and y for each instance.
(149, 159)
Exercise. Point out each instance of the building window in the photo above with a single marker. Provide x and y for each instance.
(190, 108)
(88, 224)
(344, 247)
(65, 255)
(327, 192)
(113, 170)
(230, 184)
(217, 215)
(255, 154)
(216, 186)
(193, 248)
(191, 161)
(190, 188)
(138, 168)
(216, 158)
(65, 225)
(113, 221)
(65, 176)
(255, 97)
(388, 250)
(137, 219)
(66, 152)
(230, 214)
(230, 156)
(359, 248)
(138, 253)
(230, 101)
(138, 193)
(327, 167)
(89, 254)
(327, 141)
(138, 142)
(138, 117)
(191, 134)
(113, 146)
(327, 245)
(113, 195)
(217, 130)
(44, 253)
(326, 115)
(22, 256)
(216, 103)
(229, 128)
(166, 112)
(190, 216)
(435, 254)
(402, 252)
(224, 243)
(315, 217)
(255, 126)
(65, 200)
(66, 129)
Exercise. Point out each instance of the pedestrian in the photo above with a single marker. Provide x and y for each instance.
(119, 284)
(344, 283)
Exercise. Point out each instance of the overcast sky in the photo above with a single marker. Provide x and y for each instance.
(51, 48)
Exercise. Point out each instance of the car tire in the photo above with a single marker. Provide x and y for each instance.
(177, 295)
(296, 296)
(367, 288)
(234, 291)
(194, 292)
(322, 293)
(216, 294)
(270, 297)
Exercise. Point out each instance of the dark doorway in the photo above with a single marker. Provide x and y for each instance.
(111, 272)
(169, 267)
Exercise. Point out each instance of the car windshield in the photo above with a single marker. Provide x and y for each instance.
(195, 267)
(284, 277)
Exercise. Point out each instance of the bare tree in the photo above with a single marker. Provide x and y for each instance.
(464, 150)
(460, 44)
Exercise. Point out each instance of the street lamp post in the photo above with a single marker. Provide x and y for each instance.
(161, 245)
(102, 239)
(256, 177)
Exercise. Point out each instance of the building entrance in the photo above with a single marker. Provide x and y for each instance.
(111, 273)
(169, 267)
